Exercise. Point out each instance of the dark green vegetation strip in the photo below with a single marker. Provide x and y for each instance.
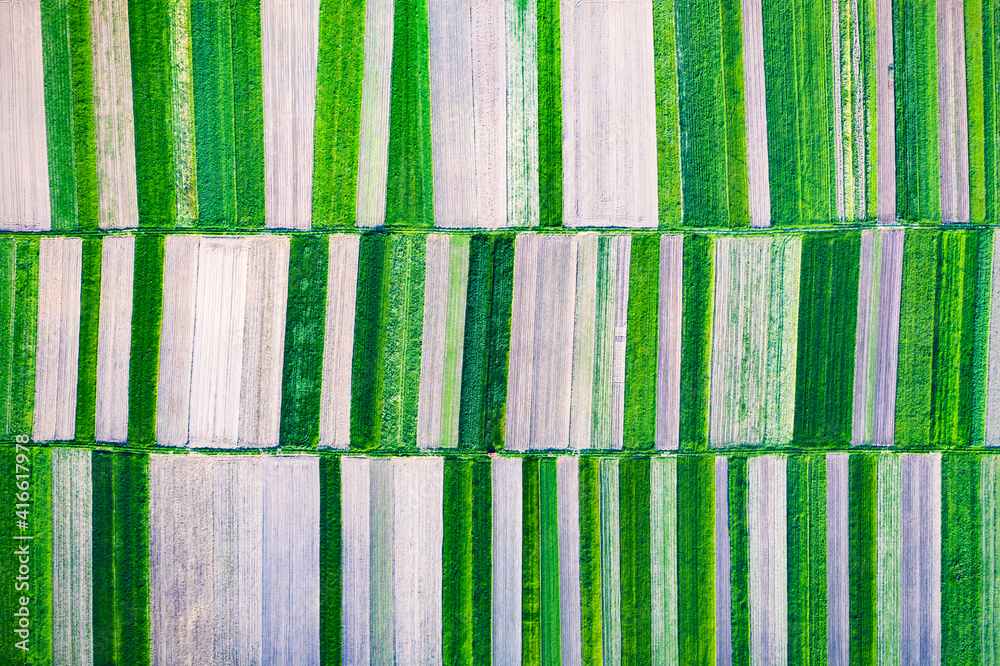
(918, 179)
(806, 496)
(550, 129)
(869, 83)
(248, 102)
(641, 344)
(149, 38)
(636, 583)
(84, 139)
(798, 73)
(696, 559)
(916, 338)
(18, 305)
(410, 183)
(981, 337)
(103, 545)
(331, 549)
(40, 520)
(8, 562)
(368, 374)
(59, 113)
(739, 560)
(975, 50)
(549, 525)
(668, 146)
(961, 559)
(696, 341)
(305, 326)
(991, 108)
(531, 570)
(132, 613)
(471, 421)
(482, 564)
(590, 560)
(90, 313)
(828, 310)
(498, 342)
(862, 478)
(144, 362)
(338, 112)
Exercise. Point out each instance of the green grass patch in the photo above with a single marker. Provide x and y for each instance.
(549, 555)
(90, 314)
(131, 553)
(961, 559)
(338, 113)
(368, 372)
(636, 562)
(498, 342)
(8, 562)
(550, 129)
(828, 310)
(590, 560)
(668, 145)
(737, 175)
(861, 488)
(102, 473)
(478, 305)
(981, 338)
(482, 565)
(41, 556)
(991, 109)
(531, 570)
(305, 327)
(19, 306)
(59, 113)
(696, 559)
(975, 66)
(806, 542)
(696, 341)
(641, 343)
(144, 362)
(331, 555)
(84, 137)
(739, 560)
(248, 103)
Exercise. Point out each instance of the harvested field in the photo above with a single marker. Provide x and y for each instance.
(584, 342)
(356, 489)
(489, 110)
(338, 348)
(664, 570)
(767, 513)
(114, 340)
(953, 112)
(885, 102)
(837, 549)
(668, 356)
(72, 561)
(611, 332)
(723, 590)
(525, 36)
(374, 124)
(568, 510)
(756, 114)
(920, 558)
(507, 541)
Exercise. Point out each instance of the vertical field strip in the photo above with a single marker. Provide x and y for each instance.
(920, 558)
(72, 563)
(182, 113)
(591, 596)
(863, 568)
(885, 106)
(338, 343)
(635, 507)
(531, 561)
(621, 361)
(962, 535)
(807, 558)
(756, 113)
(696, 558)
(722, 588)
(568, 511)
(506, 551)
(740, 601)
(180, 273)
(887, 568)
(767, 509)
(618, 188)
(58, 338)
(668, 145)
(290, 48)
(953, 116)
(331, 560)
(668, 350)
(114, 346)
(992, 418)
(584, 342)
(527, 248)
(90, 305)
(696, 341)
(489, 115)
(549, 553)
(356, 535)
(59, 114)
(664, 568)
(611, 591)
(524, 36)
(838, 601)
(382, 563)
(147, 315)
(373, 136)
(368, 369)
(989, 492)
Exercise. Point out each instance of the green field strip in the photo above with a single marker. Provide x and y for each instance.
(961, 562)
(478, 302)
(641, 344)
(84, 137)
(90, 312)
(149, 38)
(8, 562)
(498, 341)
(41, 556)
(248, 105)
(549, 554)
(368, 371)
(807, 555)
(550, 126)
(696, 341)
(828, 309)
(410, 183)
(338, 113)
(59, 113)
(454, 339)
(19, 257)
(918, 177)
(636, 564)
(869, 108)
(457, 549)
(668, 146)
(990, 590)
(185, 157)
(696, 559)
(975, 50)
(482, 565)
(981, 337)
(782, 338)
(611, 597)
(991, 108)
(887, 569)
(663, 548)
(132, 612)
(104, 560)
(739, 560)
(331, 555)
(799, 82)
(590, 560)
(305, 328)
(531, 570)
(604, 334)
(144, 359)
(862, 553)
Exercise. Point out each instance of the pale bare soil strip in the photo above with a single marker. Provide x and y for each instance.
(623, 262)
(113, 122)
(522, 112)
(887, 362)
(885, 109)
(356, 534)
(668, 350)
(768, 545)
(454, 339)
(782, 339)
(568, 480)
(338, 345)
(838, 600)
(374, 128)
(989, 492)
(24, 188)
(290, 45)
(849, 113)
(887, 574)
(217, 364)
(489, 107)
(953, 116)
(581, 418)
(507, 542)
(608, 114)
(418, 535)
(381, 561)
(527, 250)
(553, 344)
(436, 290)
(607, 292)
(453, 139)
(58, 346)
(663, 547)
(920, 559)
(993, 358)
(263, 340)
(756, 103)
(611, 589)
(114, 342)
(865, 337)
(180, 281)
(723, 587)
(182, 580)
(182, 107)
(72, 557)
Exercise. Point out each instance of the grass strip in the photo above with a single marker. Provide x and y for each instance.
(59, 113)
(641, 344)
(368, 372)
(737, 178)
(869, 84)
(696, 341)
(472, 406)
(590, 560)
(739, 560)
(975, 66)
(549, 556)
(41, 556)
(331, 549)
(144, 361)
(807, 611)
(131, 553)
(457, 593)
(8, 562)
(696, 559)
(338, 113)
(991, 108)
(636, 563)
(550, 129)
(531, 570)
(104, 559)
(862, 480)
(961, 559)
(916, 337)
(410, 185)
(498, 342)
(84, 137)
(981, 337)
(305, 327)
(828, 310)
(482, 567)
(248, 105)
(668, 145)
(90, 314)
(149, 39)
(19, 309)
